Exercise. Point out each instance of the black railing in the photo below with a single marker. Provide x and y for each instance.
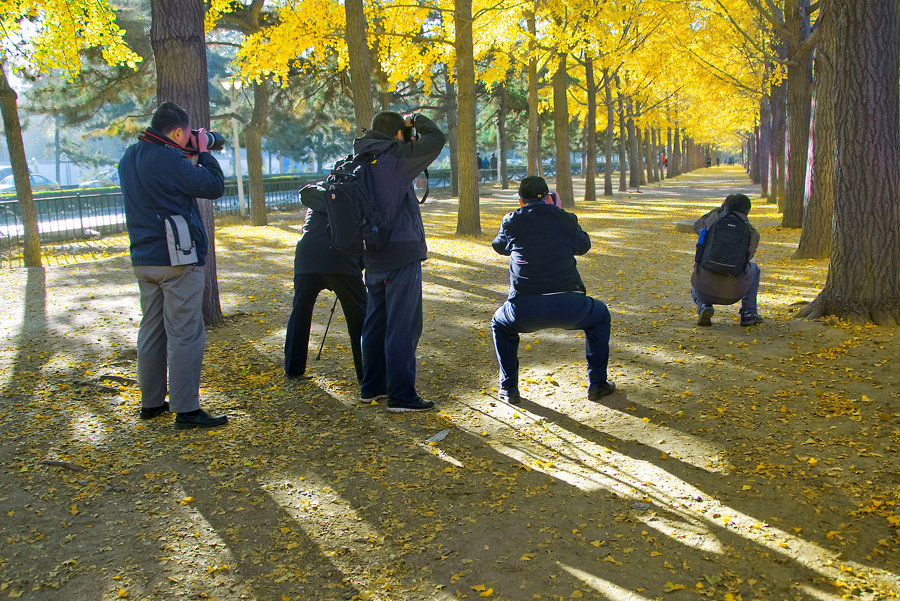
(75, 215)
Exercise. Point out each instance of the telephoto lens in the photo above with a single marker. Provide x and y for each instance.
(214, 140)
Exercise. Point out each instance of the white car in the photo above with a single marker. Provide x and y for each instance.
(38, 184)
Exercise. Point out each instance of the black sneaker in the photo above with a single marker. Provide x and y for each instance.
(151, 412)
(510, 396)
(419, 404)
(595, 394)
(706, 313)
(750, 319)
(368, 400)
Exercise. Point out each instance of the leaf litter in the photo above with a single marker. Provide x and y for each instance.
(733, 463)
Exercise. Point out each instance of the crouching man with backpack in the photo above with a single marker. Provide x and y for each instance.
(723, 273)
(393, 276)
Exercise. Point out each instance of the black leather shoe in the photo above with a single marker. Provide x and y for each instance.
(595, 394)
(151, 412)
(202, 419)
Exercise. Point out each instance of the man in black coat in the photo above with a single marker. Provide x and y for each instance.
(319, 267)
(545, 289)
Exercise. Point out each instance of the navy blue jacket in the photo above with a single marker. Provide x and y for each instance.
(158, 181)
(542, 241)
(393, 173)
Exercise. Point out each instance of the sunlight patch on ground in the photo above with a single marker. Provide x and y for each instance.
(611, 591)
(342, 535)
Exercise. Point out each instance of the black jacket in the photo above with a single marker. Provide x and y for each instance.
(314, 253)
(392, 175)
(158, 181)
(542, 241)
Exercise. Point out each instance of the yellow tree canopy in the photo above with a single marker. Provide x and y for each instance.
(50, 34)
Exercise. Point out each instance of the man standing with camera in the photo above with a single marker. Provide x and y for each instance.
(393, 276)
(168, 251)
(545, 288)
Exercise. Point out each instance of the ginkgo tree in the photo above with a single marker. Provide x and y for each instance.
(42, 37)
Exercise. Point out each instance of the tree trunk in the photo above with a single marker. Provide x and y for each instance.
(452, 135)
(253, 135)
(777, 162)
(561, 134)
(610, 134)
(360, 72)
(863, 282)
(468, 219)
(799, 98)
(501, 135)
(818, 212)
(590, 134)
(674, 168)
(534, 134)
(764, 145)
(178, 39)
(12, 128)
(623, 137)
(634, 163)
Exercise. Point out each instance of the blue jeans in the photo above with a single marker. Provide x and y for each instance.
(748, 301)
(391, 333)
(567, 310)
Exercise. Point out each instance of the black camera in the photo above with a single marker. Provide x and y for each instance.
(214, 140)
(410, 133)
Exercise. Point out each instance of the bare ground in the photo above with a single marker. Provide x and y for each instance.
(733, 464)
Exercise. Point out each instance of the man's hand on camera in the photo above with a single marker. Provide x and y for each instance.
(201, 140)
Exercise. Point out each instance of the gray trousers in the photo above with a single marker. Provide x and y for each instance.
(172, 333)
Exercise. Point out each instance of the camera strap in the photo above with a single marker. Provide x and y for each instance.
(146, 136)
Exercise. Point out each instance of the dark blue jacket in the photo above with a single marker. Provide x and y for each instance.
(542, 241)
(158, 181)
(393, 173)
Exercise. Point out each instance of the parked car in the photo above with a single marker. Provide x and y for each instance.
(107, 177)
(38, 183)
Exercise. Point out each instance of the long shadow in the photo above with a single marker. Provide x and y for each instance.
(30, 358)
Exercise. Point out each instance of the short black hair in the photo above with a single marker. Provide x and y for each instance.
(739, 203)
(168, 117)
(388, 123)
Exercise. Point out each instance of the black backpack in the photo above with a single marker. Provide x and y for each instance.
(726, 246)
(354, 222)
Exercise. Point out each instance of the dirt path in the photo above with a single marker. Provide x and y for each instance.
(734, 463)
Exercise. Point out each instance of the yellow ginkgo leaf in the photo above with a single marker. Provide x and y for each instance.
(671, 587)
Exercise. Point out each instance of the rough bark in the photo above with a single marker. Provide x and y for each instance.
(12, 129)
(452, 135)
(468, 219)
(253, 134)
(674, 167)
(561, 134)
(502, 109)
(799, 98)
(863, 280)
(178, 39)
(610, 134)
(590, 134)
(764, 144)
(620, 110)
(360, 72)
(534, 135)
(818, 211)
(777, 162)
(634, 162)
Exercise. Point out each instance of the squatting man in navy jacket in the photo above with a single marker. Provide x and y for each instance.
(545, 289)
(393, 278)
(159, 181)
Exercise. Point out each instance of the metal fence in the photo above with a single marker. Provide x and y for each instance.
(73, 215)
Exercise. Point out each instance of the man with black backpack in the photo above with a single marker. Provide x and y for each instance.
(393, 275)
(723, 273)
